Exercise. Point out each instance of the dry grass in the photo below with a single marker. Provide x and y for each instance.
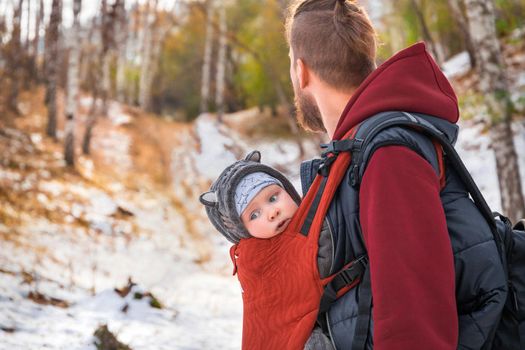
(257, 124)
(153, 141)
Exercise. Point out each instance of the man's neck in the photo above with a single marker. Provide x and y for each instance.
(331, 103)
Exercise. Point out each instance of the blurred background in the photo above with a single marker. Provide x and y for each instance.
(116, 114)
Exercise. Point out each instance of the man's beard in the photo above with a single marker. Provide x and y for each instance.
(308, 114)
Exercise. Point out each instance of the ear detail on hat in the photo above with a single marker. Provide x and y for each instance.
(254, 156)
(209, 199)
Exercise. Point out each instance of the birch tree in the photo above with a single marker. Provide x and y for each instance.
(493, 84)
(52, 62)
(25, 50)
(33, 55)
(72, 87)
(221, 63)
(28, 26)
(107, 34)
(206, 67)
(133, 46)
(94, 75)
(146, 55)
(122, 29)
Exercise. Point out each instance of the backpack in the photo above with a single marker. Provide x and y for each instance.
(511, 330)
(510, 241)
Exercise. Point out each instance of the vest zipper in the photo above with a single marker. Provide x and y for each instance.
(330, 232)
(329, 330)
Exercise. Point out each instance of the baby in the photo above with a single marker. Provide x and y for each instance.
(250, 200)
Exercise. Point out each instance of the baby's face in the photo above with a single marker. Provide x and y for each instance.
(269, 212)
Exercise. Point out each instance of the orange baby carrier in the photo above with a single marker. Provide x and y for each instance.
(282, 289)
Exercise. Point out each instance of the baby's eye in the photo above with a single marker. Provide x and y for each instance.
(254, 215)
(273, 198)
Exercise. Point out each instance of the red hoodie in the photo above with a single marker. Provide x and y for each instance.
(403, 222)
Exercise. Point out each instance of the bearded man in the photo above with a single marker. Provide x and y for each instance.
(395, 214)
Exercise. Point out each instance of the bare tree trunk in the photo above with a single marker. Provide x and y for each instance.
(123, 28)
(36, 40)
(14, 55)
(426, 32)
(72, 87)
(94, 75)
(133, 45)
(90, 124)
(462, 23)
(493, 84)
(221, 64)
(206, 67)
(3, 27)
(145, 70)
(106, 82)
(90, 53)
(52, 67)
(28, 27)
(107, 43)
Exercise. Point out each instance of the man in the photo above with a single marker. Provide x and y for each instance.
(336, 86)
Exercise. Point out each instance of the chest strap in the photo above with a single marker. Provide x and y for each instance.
(344, 280)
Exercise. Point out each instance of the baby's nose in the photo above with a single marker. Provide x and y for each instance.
(274, 212)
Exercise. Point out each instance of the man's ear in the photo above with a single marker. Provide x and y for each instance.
(303, 73)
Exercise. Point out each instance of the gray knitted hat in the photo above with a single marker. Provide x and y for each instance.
(250, 186)
(220, 199)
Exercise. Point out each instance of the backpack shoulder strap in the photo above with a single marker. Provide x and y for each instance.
(418, 123)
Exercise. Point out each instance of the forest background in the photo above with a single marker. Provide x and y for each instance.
(180, 58)
(116, 114)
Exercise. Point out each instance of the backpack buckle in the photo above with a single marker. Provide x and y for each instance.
(329, 147)
(337, 146)
(326, 163)
(334, 148)
(354, 175)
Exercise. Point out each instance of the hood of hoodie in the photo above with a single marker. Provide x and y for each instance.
(409, 81)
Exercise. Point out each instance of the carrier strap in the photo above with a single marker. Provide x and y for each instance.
(441, 164)
(348, 277)
(327, 187)
(307, 224)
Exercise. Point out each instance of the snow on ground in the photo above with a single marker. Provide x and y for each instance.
(203, 308)
(474, 148)
(457, 65)
(216, 147)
